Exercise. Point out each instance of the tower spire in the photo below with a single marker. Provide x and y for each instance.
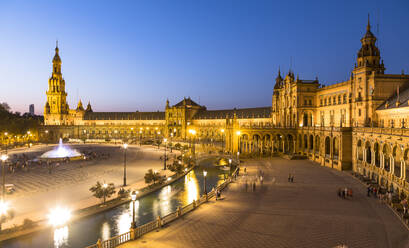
(368, 26)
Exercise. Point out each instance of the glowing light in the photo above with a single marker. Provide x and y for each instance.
(4, 157)
(204, 173)
(192, 131)
(165, 140)
(125, 145)
(229, 160)
(192, 188)
(61, 152)
(169, 178)
(4, 207)
(238, 132)
(222, 130)
(105, 185)
(133, 196)
(105, 231)
(60, 237)
(59, 216)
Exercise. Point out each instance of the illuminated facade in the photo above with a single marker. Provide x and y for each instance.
(359, 124)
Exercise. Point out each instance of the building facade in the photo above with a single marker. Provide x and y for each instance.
(359, 124)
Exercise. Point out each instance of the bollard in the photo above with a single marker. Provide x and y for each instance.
(179, 212)
(99, 245)
(132, 230)
(194, 204)
(159, 222)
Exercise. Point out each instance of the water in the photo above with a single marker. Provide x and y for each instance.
(61, 151)
(86, 231)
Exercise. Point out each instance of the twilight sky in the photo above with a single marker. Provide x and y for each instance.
(133, 55)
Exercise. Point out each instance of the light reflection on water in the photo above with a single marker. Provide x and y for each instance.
(118, 220)
(60, 236)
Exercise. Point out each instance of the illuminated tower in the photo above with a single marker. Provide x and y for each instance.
(56, 107)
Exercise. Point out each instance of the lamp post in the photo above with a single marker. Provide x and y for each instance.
(140, 137)
(238, 138)
(46, 137)
(204, 182)
(125, 147)
(6, 137)
(3, 158)
(164, 159)
(133, 197)
(28, 138)
(104, 189)
(222, 140)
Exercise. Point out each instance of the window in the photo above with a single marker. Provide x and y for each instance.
(305, 102)
(321, 102)
(345, 98)
(339, 99)
(334, 100)
(310, 102)
(359, 112)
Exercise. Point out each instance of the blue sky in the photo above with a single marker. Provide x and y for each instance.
(133, 55)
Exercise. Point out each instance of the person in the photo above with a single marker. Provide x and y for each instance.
(219, 194)
(245, 170)
(289, 177)
(254, 186)
(292, 178)
(346, 191)
(261, 179)
(350, 193)
(343, 193)
(368, 191)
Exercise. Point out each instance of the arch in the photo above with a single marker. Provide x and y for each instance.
(300, 141)
(359, 150)
(368, 152)
(377, 155)
(305, 142)
(311, 143)
(406, 163)
(327, 146)
(386, 157)
(317, 144)
(335, 147)
(290, 141)
(396, 154)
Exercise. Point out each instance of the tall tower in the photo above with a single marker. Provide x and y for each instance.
(368, 65)
(56, 107)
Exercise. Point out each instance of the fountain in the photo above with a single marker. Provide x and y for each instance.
(61, 152)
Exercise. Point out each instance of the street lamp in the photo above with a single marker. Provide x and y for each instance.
(125, 147)
(3, 158)
(164, 159)
(238, 138)
(192, 132)
(229, 161)
(28, 137)
(204, 182)
(46, 137)
(133, 197)
(222, 139)
(104, 189)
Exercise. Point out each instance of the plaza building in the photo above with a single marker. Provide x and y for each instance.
(360, 124)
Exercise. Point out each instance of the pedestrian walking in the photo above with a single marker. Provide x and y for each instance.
(254, 186)
(289, 177)
(368, 191)
(292, 178)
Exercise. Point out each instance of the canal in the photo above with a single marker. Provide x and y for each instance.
(86, 231)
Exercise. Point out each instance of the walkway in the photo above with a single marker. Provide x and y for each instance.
(306, 213)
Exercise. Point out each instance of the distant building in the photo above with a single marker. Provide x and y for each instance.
(31, 109)
(361, 124)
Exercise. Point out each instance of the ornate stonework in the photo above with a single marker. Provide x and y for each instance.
(359, 124)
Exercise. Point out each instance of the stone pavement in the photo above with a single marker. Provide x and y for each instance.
(306, 213)
(37, 191)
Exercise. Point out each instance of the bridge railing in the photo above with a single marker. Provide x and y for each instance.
(137, 232)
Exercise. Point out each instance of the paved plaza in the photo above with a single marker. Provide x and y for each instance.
(68, 185)
(305, 213)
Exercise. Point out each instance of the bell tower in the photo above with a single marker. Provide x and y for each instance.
(56, 107)
(367, 67)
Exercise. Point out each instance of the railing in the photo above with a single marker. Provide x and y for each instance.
(155, 224)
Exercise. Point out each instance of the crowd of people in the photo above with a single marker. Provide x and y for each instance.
(345, 193)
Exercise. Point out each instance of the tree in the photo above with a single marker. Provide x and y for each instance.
(152, 177)
(177, 167)
(102, 191)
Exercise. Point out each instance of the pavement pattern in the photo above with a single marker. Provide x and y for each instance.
(37, 190)
(305, 213)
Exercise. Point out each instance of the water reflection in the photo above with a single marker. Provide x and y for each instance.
(118, 220)
(60, 236)
(191, 188)
(105, 231)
